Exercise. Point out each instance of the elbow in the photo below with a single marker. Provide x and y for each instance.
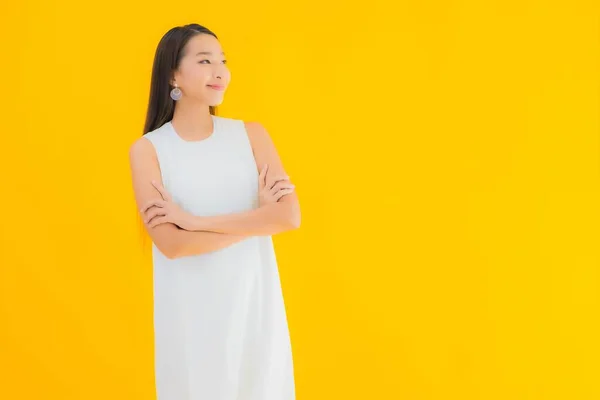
(169, 240)
(171, 255)
(169, 250)
(288, 217)
(294, 215)
(294, 220)
(176, 250)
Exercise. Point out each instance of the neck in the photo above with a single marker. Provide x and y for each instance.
(192, 120)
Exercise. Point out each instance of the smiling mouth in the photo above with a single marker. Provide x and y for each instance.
(216, 87)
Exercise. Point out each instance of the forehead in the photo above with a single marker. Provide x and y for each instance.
(203, 43)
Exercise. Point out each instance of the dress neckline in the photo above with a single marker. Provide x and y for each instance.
(193, 142)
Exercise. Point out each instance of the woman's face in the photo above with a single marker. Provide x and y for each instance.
(203, 74)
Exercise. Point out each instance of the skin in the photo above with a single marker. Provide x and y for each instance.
(177, 233)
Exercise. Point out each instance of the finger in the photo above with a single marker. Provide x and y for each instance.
(157, 221)
(283, 185)
(273, 181)
(153, 213)
(262, 175)
(161, 189)
(152, 203)
(163, 192)
(282, 192)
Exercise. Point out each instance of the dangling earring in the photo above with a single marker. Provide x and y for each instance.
(176, 93)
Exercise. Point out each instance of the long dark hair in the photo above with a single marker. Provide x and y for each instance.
(166, 60)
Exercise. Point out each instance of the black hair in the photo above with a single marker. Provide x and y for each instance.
(169, 52)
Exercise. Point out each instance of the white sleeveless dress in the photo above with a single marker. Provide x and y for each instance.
(220, 326)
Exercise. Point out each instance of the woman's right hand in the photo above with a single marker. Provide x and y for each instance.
(274, 189)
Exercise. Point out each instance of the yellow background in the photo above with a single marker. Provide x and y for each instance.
(446, 156)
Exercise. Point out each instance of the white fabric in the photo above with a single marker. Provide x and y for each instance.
(220, 324)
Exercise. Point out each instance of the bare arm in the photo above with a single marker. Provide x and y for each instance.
(269, 219)
(266, 220)
(172, 241)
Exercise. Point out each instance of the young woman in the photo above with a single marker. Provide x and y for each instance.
(212, 191)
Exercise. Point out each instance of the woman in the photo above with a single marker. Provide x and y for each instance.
(212, 191)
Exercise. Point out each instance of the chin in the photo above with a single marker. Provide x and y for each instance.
(215, 103)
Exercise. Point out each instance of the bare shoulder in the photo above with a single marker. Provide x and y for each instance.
(141, 148)
(144, 167)
(261, 141)
(254, 126)
(264, 148)
(256, 131)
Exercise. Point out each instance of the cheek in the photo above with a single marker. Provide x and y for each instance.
(196, 84)
(200, 77)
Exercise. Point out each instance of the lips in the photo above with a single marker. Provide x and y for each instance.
(217, 87)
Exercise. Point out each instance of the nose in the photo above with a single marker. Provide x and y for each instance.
(220, 72)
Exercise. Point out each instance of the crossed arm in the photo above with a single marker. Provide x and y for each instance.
(266, 220)
(207, 234)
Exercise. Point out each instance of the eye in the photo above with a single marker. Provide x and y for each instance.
(208, 61)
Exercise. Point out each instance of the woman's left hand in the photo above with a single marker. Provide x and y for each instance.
(159, 211)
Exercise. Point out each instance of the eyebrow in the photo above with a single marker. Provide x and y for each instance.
(207, 53)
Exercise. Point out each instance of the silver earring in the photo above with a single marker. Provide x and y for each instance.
(176, 93)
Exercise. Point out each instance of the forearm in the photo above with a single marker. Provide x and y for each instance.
(189, 243)
(266, 220)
